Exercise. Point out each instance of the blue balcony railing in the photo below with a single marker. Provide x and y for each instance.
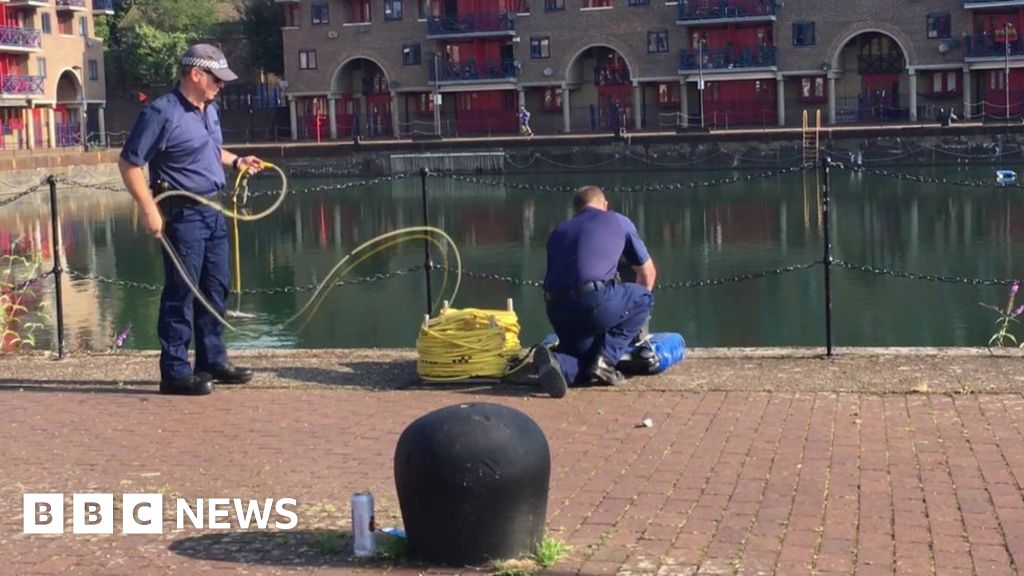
(725, 9)
(503, 69)
(14, 37)
(103, 5)
(991, 3)
(728, 58)
(71, 4)
(22, 84)
(991, 46)
(472, 23)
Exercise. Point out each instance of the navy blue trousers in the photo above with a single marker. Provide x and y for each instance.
(601, 322)
(199, 235)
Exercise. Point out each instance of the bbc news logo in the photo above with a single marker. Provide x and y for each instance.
(144, 513)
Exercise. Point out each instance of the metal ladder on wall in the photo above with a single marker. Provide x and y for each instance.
(811, 138)
(811, 146)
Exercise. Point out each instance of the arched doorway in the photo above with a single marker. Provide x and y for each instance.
(874, 84)
(70, 111)
(363, 100)
(602, 85)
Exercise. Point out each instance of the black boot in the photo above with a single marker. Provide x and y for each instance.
(604, 373)
(192, 385)
(549, 374)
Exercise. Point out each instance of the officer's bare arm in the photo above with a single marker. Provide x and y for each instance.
(135, 181)
(646, 273)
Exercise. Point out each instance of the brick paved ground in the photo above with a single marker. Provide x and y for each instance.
(727, 481)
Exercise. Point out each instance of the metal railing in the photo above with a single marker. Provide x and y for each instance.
(992, 46)
(471, 23)
(17, 37)
(492, 69)
(21, 84)
(103, 5)
(70, 4)
(690, 10)
(718, 59)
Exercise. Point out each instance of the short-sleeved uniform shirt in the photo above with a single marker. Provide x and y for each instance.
(180, 142)
(588, 246)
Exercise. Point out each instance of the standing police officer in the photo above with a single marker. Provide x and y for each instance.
(179, 136)
(595, 317)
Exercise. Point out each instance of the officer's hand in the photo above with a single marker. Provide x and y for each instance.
(250, 164)
(154, 222)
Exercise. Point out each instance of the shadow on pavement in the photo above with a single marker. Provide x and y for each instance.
(279, 548)
(145, 387)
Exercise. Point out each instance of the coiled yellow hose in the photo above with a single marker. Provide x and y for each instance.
(468, 343)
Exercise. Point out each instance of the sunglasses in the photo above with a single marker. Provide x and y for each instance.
(212, 75)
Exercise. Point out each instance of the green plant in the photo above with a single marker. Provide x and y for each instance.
(330, 543)
(550, 551)
(392, 548)
(547, 554)
(21, 305)
(1006, 314)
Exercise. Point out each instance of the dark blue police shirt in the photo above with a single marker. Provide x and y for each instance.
(588, 246)
(180, 143)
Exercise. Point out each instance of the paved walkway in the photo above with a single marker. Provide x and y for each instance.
(761, 479)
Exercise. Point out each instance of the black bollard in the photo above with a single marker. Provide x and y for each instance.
(472, 483)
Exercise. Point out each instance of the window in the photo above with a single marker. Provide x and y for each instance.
(939, 25)
(291, 15)
(540, 47)
(552, 101)
(41, 65)
(639, 2)
(307, 59)
(45, 23)
(358, 11)
(554, 5)
(812, 89)
(392, 9)
(411, 54)
(83, 26)
(585, 4)
(668, 95)
(803, 34)
(65, 25)
(520, 6)
(94, 70)
(320, 13)
(429, 8)
(944, 83)
(657, 41)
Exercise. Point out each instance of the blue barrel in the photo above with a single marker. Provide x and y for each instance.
(472, 484)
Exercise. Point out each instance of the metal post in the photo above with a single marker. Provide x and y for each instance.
(56, 247)
(1006, 63)
(700, 78)
(827, 258)
(427, 265)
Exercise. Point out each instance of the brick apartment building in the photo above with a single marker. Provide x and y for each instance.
(52, 85)
(378, 68)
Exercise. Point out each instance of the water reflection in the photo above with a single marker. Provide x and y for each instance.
(694, 234)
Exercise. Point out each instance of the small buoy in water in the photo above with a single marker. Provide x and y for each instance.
(1005, 177)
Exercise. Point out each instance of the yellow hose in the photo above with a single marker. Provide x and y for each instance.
(468, 343)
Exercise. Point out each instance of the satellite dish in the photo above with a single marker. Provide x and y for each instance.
(332, 34)
(548, 71)
(943, 47)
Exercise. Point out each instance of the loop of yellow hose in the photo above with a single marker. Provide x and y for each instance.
(468, 343)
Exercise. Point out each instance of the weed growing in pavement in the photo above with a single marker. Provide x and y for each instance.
(21, 305)
(1007, 314)
(548, 553)
(330, 543)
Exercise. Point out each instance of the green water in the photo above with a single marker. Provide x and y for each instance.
(693, 234)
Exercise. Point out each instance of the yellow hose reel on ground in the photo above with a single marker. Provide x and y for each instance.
(468, 343)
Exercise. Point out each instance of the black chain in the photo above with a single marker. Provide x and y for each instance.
(928, 179)
(312, 189)
(25, 283)
(75, 275)
(624, 189)
(928, 277)
(489, 276)
(738, 278)
(20, 195)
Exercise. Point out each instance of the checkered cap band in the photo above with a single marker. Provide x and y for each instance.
(205, 63)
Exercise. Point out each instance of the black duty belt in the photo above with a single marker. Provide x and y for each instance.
(581, 289)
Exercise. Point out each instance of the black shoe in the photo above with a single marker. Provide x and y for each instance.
(603, 372)
(228, 373)
(194, 385)
(549, 374)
